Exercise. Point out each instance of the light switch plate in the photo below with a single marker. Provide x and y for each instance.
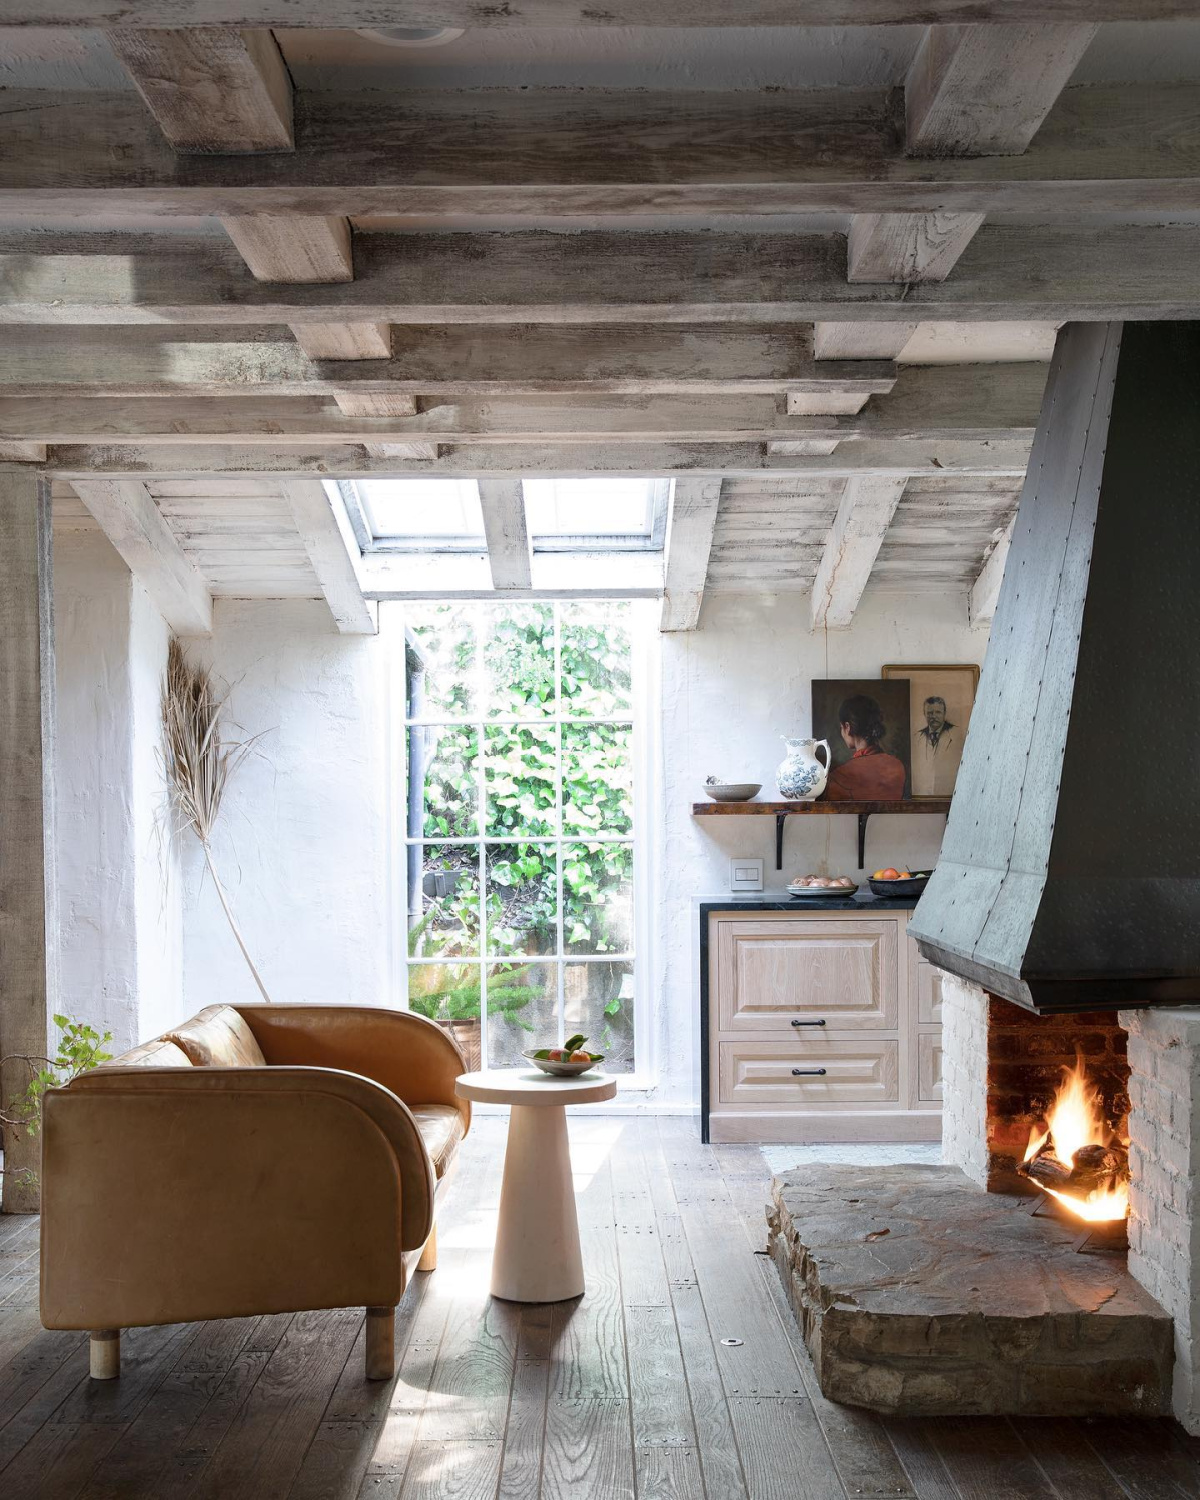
(745, 874)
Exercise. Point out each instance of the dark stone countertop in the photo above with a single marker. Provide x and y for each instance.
(862, 900)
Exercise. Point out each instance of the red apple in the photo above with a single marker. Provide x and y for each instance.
(556, 1054)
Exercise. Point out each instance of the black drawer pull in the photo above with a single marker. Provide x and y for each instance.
(808, 1072)
(809, 1023)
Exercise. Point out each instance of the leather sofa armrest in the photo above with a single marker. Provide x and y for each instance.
(415, 1058)
(174, 1195)
(388, 1114)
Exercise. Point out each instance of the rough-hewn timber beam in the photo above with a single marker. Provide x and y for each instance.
(325, 530)
(464, 13)
(28, 929)
(458, 155)
(694, 507)
(442, 361)
(510, 556)
(293, 247)
(211, 89)
(131, 521)
(473, 460)
(863, 517)
(1045, 274)
(981, 604)
(987, 402)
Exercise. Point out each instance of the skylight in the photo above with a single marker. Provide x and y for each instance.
(432, 514)
(595, 514)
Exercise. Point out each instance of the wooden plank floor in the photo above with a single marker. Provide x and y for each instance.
(680, 1376)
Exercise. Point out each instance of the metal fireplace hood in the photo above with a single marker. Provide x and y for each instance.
(1070, 870)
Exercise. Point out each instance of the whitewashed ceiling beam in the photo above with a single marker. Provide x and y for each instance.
(866, 341)
(985, 591)
(863, 516)
(939, 401)
(442, 156)
(907, 247)
(133, 524)
(294, 248)
(212, 89)
(1049, 274)
(324, 527)
(443, 360)
(469, 13)
(899, 457)
(510, 554)
(693, 520)
(344, 340)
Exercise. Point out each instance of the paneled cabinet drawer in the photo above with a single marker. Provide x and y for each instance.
(770, 974)
(865, 1071)
(929, 992)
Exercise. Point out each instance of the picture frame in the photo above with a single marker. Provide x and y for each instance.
(941, 699)
(874, 765)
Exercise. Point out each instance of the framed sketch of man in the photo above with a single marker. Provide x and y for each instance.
(940, 703)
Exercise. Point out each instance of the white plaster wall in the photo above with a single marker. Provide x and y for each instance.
(302, 841)
(118, 905)
(730, 691)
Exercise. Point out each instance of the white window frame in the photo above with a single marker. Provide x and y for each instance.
(643, 631)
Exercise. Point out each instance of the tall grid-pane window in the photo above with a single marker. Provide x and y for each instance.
(520, 824)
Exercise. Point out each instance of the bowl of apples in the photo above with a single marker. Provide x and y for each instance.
(567, 1061)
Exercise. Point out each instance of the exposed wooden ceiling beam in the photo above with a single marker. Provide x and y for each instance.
(903, 457)
(329, 540)
(132, 522)
(293, 247)
(211, 89)
(863, 517)
(847, 341)
(694, 507)
(985, 591)
(985, 90)
(443, 360)
(452, 154)
(907, 247)
(1045, 274)
(344, 340)
(464, 13)
(510, 555)
(23, 453)
(986, 402)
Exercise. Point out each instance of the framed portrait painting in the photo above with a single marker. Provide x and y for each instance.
(940, 702)
(867, 725)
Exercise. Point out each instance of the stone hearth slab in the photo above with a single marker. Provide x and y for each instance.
(920, 1294)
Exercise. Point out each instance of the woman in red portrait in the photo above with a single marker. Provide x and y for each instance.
(871, 774)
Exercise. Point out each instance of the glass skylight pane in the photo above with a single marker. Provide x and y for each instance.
(427, 508)
(590, 507)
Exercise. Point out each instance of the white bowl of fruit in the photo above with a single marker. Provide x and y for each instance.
(567, 1061)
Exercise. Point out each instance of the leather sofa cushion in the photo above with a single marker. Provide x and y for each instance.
(441, 1128)
(218, 1038)
(155, 1054)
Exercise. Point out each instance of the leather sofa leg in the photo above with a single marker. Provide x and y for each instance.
(428, 1261)
(381, 1343)
(105, 1353)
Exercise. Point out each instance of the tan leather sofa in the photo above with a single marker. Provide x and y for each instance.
(258, 1159)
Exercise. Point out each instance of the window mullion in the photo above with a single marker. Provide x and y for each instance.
(558, 827)
(481, 824)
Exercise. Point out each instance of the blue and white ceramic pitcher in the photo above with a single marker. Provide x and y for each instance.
(801, 775)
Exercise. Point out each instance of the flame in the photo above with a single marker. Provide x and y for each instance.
(1076, 1119)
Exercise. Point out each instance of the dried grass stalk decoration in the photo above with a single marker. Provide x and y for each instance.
(198, 764)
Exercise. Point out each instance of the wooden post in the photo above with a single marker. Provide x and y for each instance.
(381, 1343)
(27, 917)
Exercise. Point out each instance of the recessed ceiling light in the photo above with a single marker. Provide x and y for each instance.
(413, 36)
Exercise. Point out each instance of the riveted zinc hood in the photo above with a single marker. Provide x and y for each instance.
(1069, 877)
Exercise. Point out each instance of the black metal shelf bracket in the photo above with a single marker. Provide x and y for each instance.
(780, 820)
(862, 840)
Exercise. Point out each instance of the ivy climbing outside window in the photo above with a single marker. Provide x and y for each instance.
(520, 824)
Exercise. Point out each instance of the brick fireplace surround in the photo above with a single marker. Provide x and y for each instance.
(983, 1097)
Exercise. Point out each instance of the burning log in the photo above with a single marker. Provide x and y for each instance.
(1092, 1167)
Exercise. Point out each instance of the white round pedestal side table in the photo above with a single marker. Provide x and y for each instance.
(537, 1256)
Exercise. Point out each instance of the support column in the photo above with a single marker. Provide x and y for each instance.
(27, 900)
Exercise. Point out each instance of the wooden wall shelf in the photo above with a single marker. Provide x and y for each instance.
(781, 811)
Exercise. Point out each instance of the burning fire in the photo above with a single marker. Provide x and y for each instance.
(1076, 1120)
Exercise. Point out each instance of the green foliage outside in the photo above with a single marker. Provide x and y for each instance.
(503, 670)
